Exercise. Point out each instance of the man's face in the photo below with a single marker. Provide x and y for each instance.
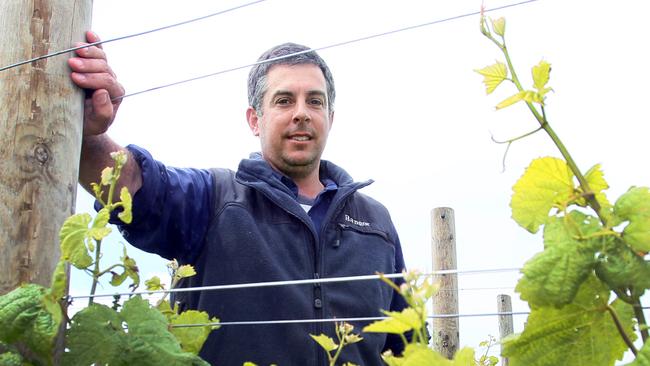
(295, 122)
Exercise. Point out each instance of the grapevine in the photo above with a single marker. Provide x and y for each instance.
(594, 250)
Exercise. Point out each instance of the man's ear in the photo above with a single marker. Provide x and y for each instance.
(253, 120)
(331, 119)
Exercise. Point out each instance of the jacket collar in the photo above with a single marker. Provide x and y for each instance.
(256, 171)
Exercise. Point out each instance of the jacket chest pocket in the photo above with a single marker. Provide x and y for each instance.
(360, 250)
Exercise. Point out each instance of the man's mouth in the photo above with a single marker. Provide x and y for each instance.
(300, 138)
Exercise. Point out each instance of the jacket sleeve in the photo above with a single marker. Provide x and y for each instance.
(171, 211)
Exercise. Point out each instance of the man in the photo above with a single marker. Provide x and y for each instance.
(284, 215)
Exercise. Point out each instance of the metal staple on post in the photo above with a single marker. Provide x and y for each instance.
(443, 245)
(504, 306)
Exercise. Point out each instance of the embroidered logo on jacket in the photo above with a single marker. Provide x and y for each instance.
(356, 222)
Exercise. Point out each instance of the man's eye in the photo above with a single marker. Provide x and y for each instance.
(316, 101)
(282, 101)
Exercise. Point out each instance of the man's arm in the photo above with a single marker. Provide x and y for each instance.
(91, 71)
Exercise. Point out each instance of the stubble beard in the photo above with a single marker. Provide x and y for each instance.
(299, 167)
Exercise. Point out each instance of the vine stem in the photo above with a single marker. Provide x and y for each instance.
(172, 285)
(96, 272)
(541, 118)
(341, 345)
(110, 268)
(617, 321)
(640, 316)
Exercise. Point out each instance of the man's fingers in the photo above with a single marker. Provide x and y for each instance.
(96, 81)
(92, 37)
(102, 106)
(100, 116)
(90, 52)
(89, 65)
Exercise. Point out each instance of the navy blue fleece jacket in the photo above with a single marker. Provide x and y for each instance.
(248, 226)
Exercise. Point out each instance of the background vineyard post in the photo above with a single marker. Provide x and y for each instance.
(445, 301)
(504, 308)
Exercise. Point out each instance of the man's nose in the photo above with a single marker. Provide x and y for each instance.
(301, 112)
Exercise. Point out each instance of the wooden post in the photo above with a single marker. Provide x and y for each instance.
(40, 134)
(504, 305)
(443, 248)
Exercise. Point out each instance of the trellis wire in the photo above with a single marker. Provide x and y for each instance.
(57, 53)
(248, 65)
(365, 38)
(296, 282)
(357, 319)
(332, 320)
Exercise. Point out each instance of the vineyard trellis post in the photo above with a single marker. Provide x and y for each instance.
(445, 301)
(504, 307)
(40, 135)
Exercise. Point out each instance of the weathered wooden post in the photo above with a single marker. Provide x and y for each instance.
(443, 248)
(504, 305)
(40, 134)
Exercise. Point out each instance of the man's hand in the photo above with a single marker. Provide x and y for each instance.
(91, 72)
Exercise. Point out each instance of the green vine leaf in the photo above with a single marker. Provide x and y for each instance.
(150, 326)
(97, 191)
(72, 236)
(97, 336)
(553, 277)
(192, 338)
(154, 284)
(30, 317)
(464, 357)
(493, 75)
(397, 323)
(184, 271)
(541, 74)
(107, 176)
(99, 229)
(418, 354)
(634, 205)
(125, 197)
(511, 100)
(596, 180)
(165, 308)
(11, 359)
(525, 95)
(581, 333)
(621, 269)
(546, 182)
(59, 283)
(408, 316)
(130, 270)
(421, 354)
(327, 343)
(499, 26)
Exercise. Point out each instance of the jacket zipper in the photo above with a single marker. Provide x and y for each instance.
(317, 295)
(318, 301)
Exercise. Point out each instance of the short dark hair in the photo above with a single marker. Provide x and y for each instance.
(257, 83)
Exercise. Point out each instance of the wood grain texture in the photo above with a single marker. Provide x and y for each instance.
(40, 134)
(443, 249)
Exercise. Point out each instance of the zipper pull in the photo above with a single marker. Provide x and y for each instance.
(339, 233)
